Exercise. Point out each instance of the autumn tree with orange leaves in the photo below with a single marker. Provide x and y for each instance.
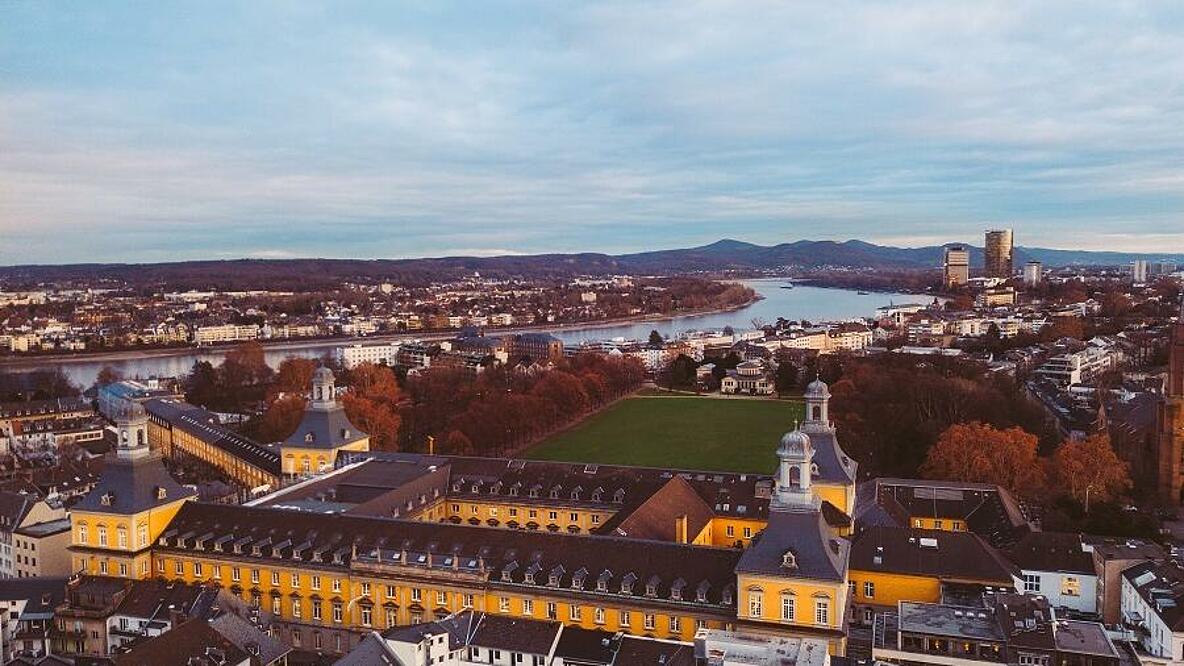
(979, 453)
(1088, 470)
(372, 404)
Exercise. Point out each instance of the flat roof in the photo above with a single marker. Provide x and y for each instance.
(951, 621)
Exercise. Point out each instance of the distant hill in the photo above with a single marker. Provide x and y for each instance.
(727, 254)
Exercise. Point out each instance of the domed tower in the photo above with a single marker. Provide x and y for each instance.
(817, 397)
(794, 473)
(114, 526)
(324, 389)
(323, 432)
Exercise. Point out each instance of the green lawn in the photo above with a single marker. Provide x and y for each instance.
(684, 433)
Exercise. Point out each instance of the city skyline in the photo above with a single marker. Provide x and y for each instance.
(371, 131)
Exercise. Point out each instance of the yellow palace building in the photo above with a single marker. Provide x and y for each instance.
(385, 540)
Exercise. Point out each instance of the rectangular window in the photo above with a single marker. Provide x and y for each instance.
(575, 612)
(255, 576)
(365, 589)
(552, 611)
(787, 607)
(337, 612)
(336, 584)
(599, 616)
(1070, 586)
(441, 598)
(367, 616)
(822, 611)
(527, 607)
(651, 621)
(275, 606)
(755, 603)
(869, 590)
(467, 601)
(503, 604)
(179, 568)
(675, 624)
(295, 581)
(197, 570)
(730, 530)
(747, 532)
(513, 512)
(1031, 582)
(160, 565)
(315, 582)
(296, 608)
(275, 579)
(316, 610)
(390, 591)
(575, 517)
(235, 574)
(553, 515)
(937, 525)
(595, 519)
(624, 618)
(416, 594)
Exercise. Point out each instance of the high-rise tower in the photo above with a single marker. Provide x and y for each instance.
(957, 265)
(1000, 254)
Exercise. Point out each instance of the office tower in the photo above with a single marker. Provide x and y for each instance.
(1139, 271)
(1033, 273)
(957, 265)
(999, 253)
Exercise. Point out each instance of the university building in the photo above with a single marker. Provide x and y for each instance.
(386, 540)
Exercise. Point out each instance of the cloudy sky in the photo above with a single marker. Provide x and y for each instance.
(152, 131)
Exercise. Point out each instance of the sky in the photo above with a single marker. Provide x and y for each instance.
(161, 131)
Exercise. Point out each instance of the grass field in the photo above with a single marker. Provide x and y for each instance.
(686, 433)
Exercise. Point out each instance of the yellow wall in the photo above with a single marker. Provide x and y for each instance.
(890, 588)
(840, 495)
(947, 524)
(86, 529)
(727, 531)
(465, 509)
(172, 439)
(289, 581)
(804, 593)
(293, 457)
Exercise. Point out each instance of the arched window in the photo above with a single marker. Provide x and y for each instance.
(102, 535)
(140, 437)
(795, 476)
(83, 533)
(142, 535)
(817, 411)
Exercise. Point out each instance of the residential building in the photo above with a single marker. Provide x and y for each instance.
(1152, 604)
(988, 510)
(42, 548)
(993, 297)
(539, 347)
(20, 511)
(956, 265)
(352, 356)
(999, 252)
(1111, 558)
(211, 335)
(26, 616)
(1139, 271)
(1003, 629)
(1058, 566)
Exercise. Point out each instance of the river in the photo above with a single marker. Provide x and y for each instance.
(801, 302)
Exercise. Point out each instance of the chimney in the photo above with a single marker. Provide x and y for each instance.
(680, 529)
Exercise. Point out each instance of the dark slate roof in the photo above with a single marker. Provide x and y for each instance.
(204, 425)
(947, 556)
(42, 594)
(246, 636)
(655, 518)
(587, 646)
(649, 652)
(13, 509)
(1051, 551)
(330, 429)
(132, 486)
(44, 407)
(834, 466)
(193, 643)
(503, 556)
(147, 598)
(508, 633)
(370, 651)
(818, 554)
(988, 510)
(1158, 584)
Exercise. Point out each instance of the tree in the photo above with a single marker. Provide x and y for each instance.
(107, 376)
(372, 404)
(787, 377)
(280, 420)
(201, 385)
(1088, 470)
(458, 444)
(980, 453)
(656, 338)
(682, 372)
(293, 376)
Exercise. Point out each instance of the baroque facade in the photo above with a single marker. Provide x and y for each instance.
(387, 540)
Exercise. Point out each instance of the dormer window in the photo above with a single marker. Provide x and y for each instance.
(555, 493)
(789, 560)
(309, 437)
(513, 491)
(619, 496)
(555, 576)
(602, 582)
(161, 493)
(345, 433)
(107, 499)
(534, 492)
(627, 583)
(577, 579)
(813, 469)
(651, 587)
(701, 592)
(597, 494)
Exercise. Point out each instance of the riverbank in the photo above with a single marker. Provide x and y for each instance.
(37, 361)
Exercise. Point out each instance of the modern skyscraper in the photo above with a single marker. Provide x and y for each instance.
(1139, 271)
(1033, 273)
(1000, 253)
(957, 265)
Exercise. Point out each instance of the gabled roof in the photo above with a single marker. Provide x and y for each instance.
(656, 517)
(192, 643)
(1051, 551)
